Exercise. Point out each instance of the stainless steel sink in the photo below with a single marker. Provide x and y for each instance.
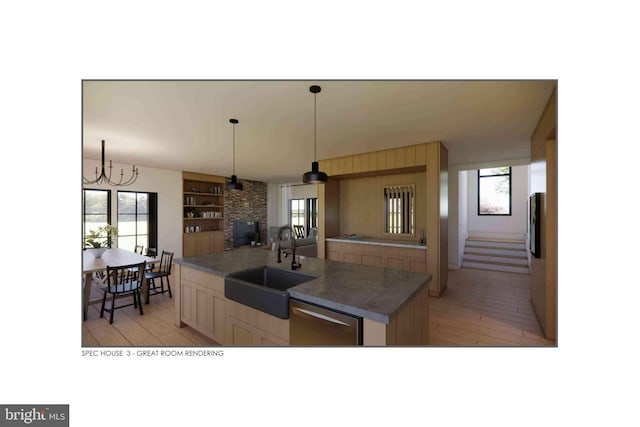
(263, 288)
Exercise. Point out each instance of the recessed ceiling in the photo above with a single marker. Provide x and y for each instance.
(184, 125)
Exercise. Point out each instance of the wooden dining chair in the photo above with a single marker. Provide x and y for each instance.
(164, 270)
(299, 231)
(153, 253)
(139, 249)
(122, 280)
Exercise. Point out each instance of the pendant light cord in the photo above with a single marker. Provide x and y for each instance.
(234, 149)
(315, 132)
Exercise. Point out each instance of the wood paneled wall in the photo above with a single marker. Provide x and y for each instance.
(437, 194)
(428, 162)
(362, 205)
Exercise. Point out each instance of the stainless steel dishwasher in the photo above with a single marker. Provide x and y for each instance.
(310, 324)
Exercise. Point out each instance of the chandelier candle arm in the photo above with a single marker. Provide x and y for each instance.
(102, 178)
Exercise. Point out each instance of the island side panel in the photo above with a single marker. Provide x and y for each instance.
(177, 294)
(409, 327)
(374, 334)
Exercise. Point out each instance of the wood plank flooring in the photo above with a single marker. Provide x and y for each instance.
(155, 328)
(485, 308)
(478, 308)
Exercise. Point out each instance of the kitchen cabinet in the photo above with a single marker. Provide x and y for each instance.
(202, 303)
(398, 258)
(203, 213)
(247, 326)
(392, 314)
(202, 243)
(203, 306)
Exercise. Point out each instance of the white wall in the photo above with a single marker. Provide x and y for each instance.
(167, 183)
(273, 203)
(501, 227)
(463, 231)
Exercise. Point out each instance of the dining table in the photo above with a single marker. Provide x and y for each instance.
(112, 257)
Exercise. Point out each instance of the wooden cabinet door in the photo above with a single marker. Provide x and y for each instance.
(204, 243)
(217, 242)
(202, 304)
(202, 316)
(218, 319)
(189, 245)
(243, 334)
(395, 263)
(240, 333)
(187, 296)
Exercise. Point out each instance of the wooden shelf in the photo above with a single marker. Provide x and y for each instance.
(203, 195)
(195, 193)
(202, 218)
(204, 232)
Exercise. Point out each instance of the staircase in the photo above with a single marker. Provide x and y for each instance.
(499, 255)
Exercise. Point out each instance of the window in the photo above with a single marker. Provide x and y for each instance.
(399, 209)
(96, 211)
(312, 214)
(296, 212)
(137, 220)
(494, 191)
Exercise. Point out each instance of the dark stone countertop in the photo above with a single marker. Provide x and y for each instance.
(378, 242)
(374, 293)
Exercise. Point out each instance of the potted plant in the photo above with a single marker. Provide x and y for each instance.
(97, 241)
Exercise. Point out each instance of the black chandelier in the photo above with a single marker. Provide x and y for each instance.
(102, 178)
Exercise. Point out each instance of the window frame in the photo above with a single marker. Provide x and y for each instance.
(304, 219)
(311, 214)
(510, 175)
(84, 212)
(152, 218)
(388, 223)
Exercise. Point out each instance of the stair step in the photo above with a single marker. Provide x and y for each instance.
(494, 244)
(493, 251)
(498, 259)
(495, 267)
(487, 239)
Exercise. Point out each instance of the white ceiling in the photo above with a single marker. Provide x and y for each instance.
(184, 125)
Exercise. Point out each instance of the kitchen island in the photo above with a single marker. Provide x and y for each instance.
(392, 303)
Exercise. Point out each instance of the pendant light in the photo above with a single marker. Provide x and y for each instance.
(234, 185)
(314, 176)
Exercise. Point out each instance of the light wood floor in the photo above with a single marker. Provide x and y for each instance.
(154, 328)
(479, 308)
(485, 308)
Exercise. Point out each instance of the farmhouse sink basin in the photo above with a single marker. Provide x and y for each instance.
(263, 288)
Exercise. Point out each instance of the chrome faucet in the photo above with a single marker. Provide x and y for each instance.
(294, 264)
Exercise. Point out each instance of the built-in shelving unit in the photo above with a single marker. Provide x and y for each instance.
(203, 213)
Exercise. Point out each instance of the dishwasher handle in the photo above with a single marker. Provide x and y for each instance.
(319, 316)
